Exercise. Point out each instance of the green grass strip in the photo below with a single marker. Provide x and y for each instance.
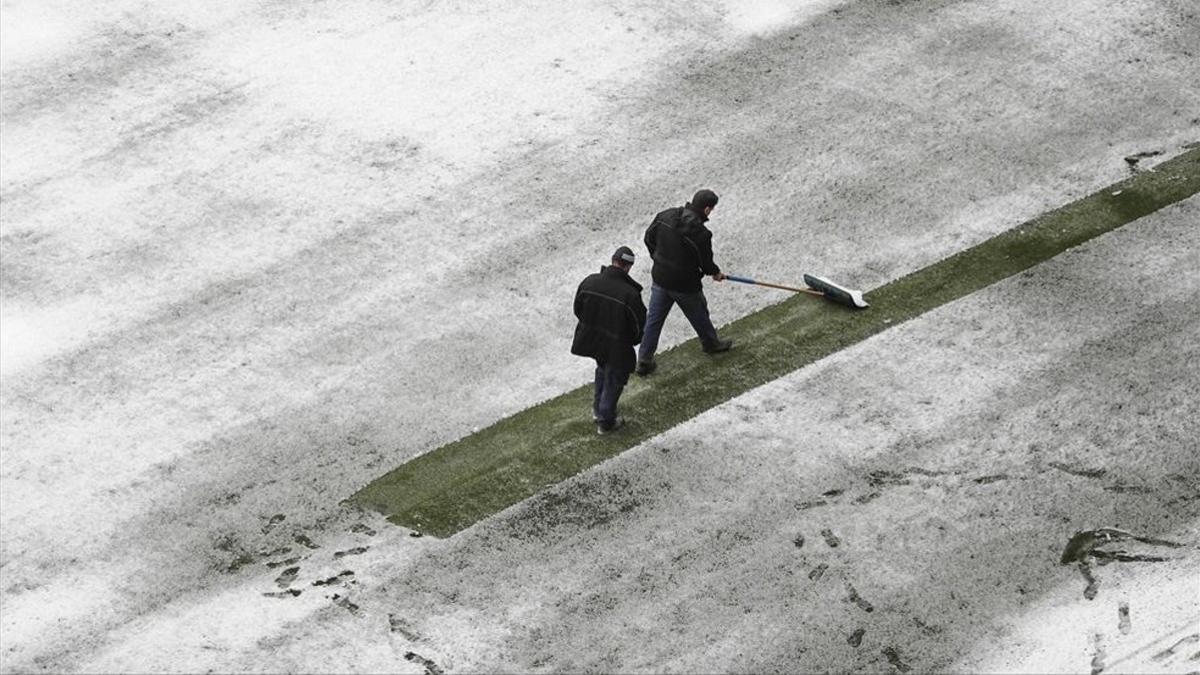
(456, 485)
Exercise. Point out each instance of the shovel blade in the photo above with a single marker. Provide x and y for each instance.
(836, 293)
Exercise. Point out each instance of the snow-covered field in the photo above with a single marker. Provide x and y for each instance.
(255, 255)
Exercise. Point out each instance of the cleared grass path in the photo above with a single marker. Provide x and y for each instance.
(456, 485)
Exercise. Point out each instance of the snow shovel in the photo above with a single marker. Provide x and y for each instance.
(818, 286)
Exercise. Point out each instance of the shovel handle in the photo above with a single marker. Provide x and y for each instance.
(748, 280)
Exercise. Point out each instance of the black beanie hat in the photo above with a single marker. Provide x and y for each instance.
(704, 199)
(624, 254)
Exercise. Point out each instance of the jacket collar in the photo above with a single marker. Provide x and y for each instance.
(618, 273)
(698, 214)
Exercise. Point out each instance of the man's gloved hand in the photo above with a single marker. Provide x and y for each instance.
(719, 276)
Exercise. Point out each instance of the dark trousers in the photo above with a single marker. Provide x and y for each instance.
(610, 382)
(695, 308)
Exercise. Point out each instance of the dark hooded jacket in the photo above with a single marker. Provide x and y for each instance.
(681, 247)
(611, 318)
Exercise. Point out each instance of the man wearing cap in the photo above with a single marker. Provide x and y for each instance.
(681, 247)
(612, 319)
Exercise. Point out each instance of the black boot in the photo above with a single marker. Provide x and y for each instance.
(718, 346)
(602, 428)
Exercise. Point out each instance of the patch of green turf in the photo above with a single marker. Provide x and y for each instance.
(456, 485)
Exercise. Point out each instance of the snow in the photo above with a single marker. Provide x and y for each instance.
(754, 17)
(255, 256)
(35, 31)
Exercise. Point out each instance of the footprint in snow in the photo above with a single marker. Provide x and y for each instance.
(357, 550)
(926, 628)
(1098, 654)
(1123, 622)
(304, 541)
(275, 520)
(881, 477)
(334, 580)
(431, 668)
(830, 538)
(282, 550)
(287, 577)
(858, 599)
(893, 657)
(397, 624)
(1078, 471)
(856, 637)
(344, 603)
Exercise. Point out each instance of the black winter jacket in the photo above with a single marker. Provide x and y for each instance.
(681, 247)
(611, 318)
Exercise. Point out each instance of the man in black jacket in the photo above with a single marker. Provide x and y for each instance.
(681, 247)
(612, 318)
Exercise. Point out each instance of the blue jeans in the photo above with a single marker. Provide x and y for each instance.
(610, 382)
(694, 307)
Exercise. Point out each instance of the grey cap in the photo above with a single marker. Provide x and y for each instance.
(625, 254)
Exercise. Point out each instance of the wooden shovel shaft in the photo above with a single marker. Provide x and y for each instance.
(791, 288)
(746, 280)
